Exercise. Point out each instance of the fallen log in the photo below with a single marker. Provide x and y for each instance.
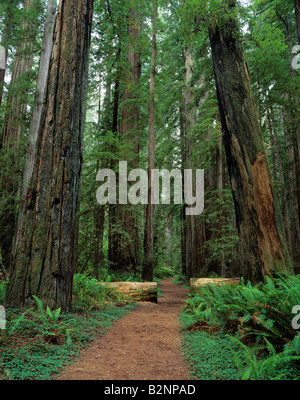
(196, 283)
(136, 291)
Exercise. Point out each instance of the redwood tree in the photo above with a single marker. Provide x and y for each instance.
(259, 220)
(149, 225)
(128, 252)
(44, 257)
(13, 130)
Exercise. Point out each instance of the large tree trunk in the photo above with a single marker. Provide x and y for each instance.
(12, 135)
(44, 259)
(47, 45)
(259, 220)
(149, 226)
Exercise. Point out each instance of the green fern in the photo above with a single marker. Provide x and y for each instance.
(268, 368)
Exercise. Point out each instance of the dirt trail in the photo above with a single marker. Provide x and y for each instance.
(144, 345)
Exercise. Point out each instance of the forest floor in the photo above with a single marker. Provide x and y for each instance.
(144, 345)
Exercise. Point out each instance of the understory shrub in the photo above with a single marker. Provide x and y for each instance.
(259, 317)
(89, 293)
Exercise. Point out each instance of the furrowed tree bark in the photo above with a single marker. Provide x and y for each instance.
(44, 259)
(40, 93)
(47, 45)
(259, 220)
(149, 226)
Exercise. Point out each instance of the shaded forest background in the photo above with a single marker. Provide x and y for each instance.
(152, 101)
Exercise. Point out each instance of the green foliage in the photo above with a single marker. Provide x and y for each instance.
(3, 287)
(89, 294)
(272, 366)
(259, 316)
(220, 247)
(263, 310)
(47, 317)
(30, 352)
(209, 356)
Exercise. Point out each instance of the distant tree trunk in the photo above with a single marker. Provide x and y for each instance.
(5, 42)
(47, 45)
(99, 214)
(293, 193)
(149, 226)
(272, 145)
(128, 243)
(183, 214)
(297, 15)
(43, 263)
(292, 120)
(12, 133)
(113, 236)
(259, 219)
(189, 112)
(219, 162)
(282, 181)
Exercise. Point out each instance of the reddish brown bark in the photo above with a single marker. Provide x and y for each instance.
(44, 259)
(259, 219)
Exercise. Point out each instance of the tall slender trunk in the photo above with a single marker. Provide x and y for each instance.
(292, 119)
(189, 111)
(293, 192)
(149, 226)
(130, 127)
(99, 214)
(113, 236)
(259, 219)
(274, 168)
(5, 42)
(297, 15)
(12, 135)
(183, 213)
(282, 181)
(44, 260)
